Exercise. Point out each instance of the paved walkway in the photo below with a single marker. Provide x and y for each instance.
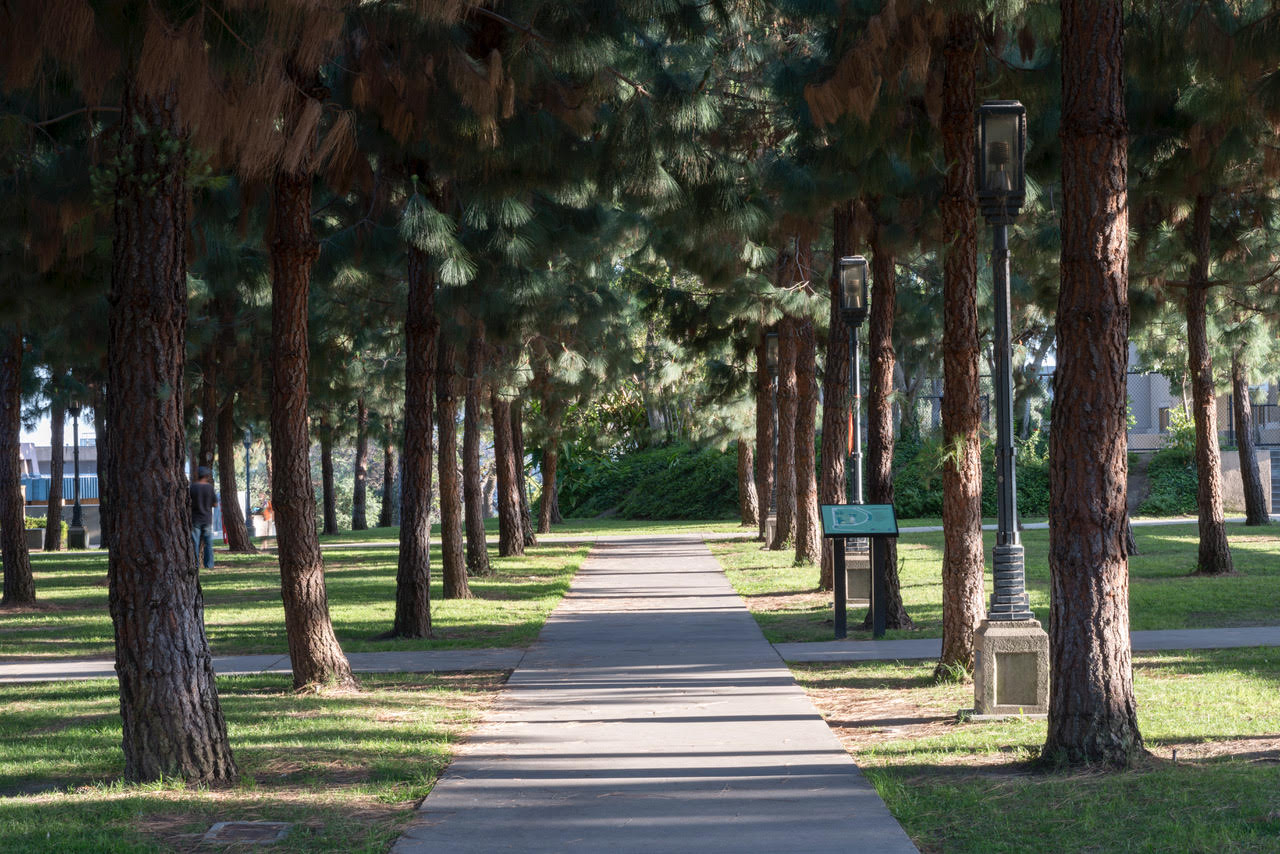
(652, 716)
(903, 650)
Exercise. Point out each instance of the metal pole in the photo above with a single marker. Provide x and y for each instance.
(855, 395)
(76, 518)
(842, 590)
(1009, 598)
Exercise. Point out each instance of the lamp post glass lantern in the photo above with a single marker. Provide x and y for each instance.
(853, 307)
(1002, 138)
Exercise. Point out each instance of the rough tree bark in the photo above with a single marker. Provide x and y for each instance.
(58, 439)
(832, 487)
(517, 447)
(313, 648)
(785, 467)
(1255, 499)
(510, 529)
(473, 498)
(748, 501)
(232, 518)
(389, 470)
(1215, 553)
(552, 408)
(881, 358)
(360, 486)
(327, 498)
(808, 526)
(171, 718)
(413, 577)
(962, 552)
(1092, 715)
(764, 435)
(453, 564)
(19, 583)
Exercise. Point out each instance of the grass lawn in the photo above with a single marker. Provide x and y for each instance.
(243, 613)
(346, 768)
(570, 528)
(1162, 593)
(973, 788)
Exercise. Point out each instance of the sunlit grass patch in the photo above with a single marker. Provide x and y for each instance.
(347, 768)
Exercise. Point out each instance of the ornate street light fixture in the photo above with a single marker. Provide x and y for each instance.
(1010, 641)
(75, 533)
(1002, 145)
(853, 308)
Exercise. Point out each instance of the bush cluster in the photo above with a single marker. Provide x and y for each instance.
(917, 479)
(678, 481)
(1172, 482)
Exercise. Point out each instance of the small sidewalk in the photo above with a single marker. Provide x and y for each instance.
(459, 660)
(652, 716)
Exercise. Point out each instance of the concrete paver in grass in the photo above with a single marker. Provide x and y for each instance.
(652, 716)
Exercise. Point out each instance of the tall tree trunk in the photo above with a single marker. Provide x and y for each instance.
(208, 410)
(313, 647)
(57, 444)
(785, 473)
(389, 471)
(453, 564)
(327, 497)
(510, 529)
(748, 501)
(105, 504)
(962, 551)
(881, 360)
(1215, 553)
(808, 525)
(547, 502)
(413, 578)
(1092, 716)
(556, 518)
(764, 434)
(170, 714)
(835, 386)
(360, 487)
(517, 446)
(473, 497)
(232, 518)
(1255, 499)
(19, 583)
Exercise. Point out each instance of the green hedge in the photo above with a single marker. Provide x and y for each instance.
(1172, 482)
(674, 482)
(917, 479)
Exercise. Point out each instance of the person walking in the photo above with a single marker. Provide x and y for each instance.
(203, 499)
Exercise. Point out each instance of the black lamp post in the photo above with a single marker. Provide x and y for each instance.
(853, 308)
(248, 508)
(75, 532)
(771, 363)
(1001, 154)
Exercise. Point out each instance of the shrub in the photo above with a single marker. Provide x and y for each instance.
(674, 482)
(1173, 482)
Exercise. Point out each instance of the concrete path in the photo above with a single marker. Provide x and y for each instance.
(652, 716)
(431, 661)
(904, 650)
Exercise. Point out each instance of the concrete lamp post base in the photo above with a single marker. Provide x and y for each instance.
(76, 538)
(1011, 670)
(770, 526)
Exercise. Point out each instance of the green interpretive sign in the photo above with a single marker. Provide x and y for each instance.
(859, 520)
